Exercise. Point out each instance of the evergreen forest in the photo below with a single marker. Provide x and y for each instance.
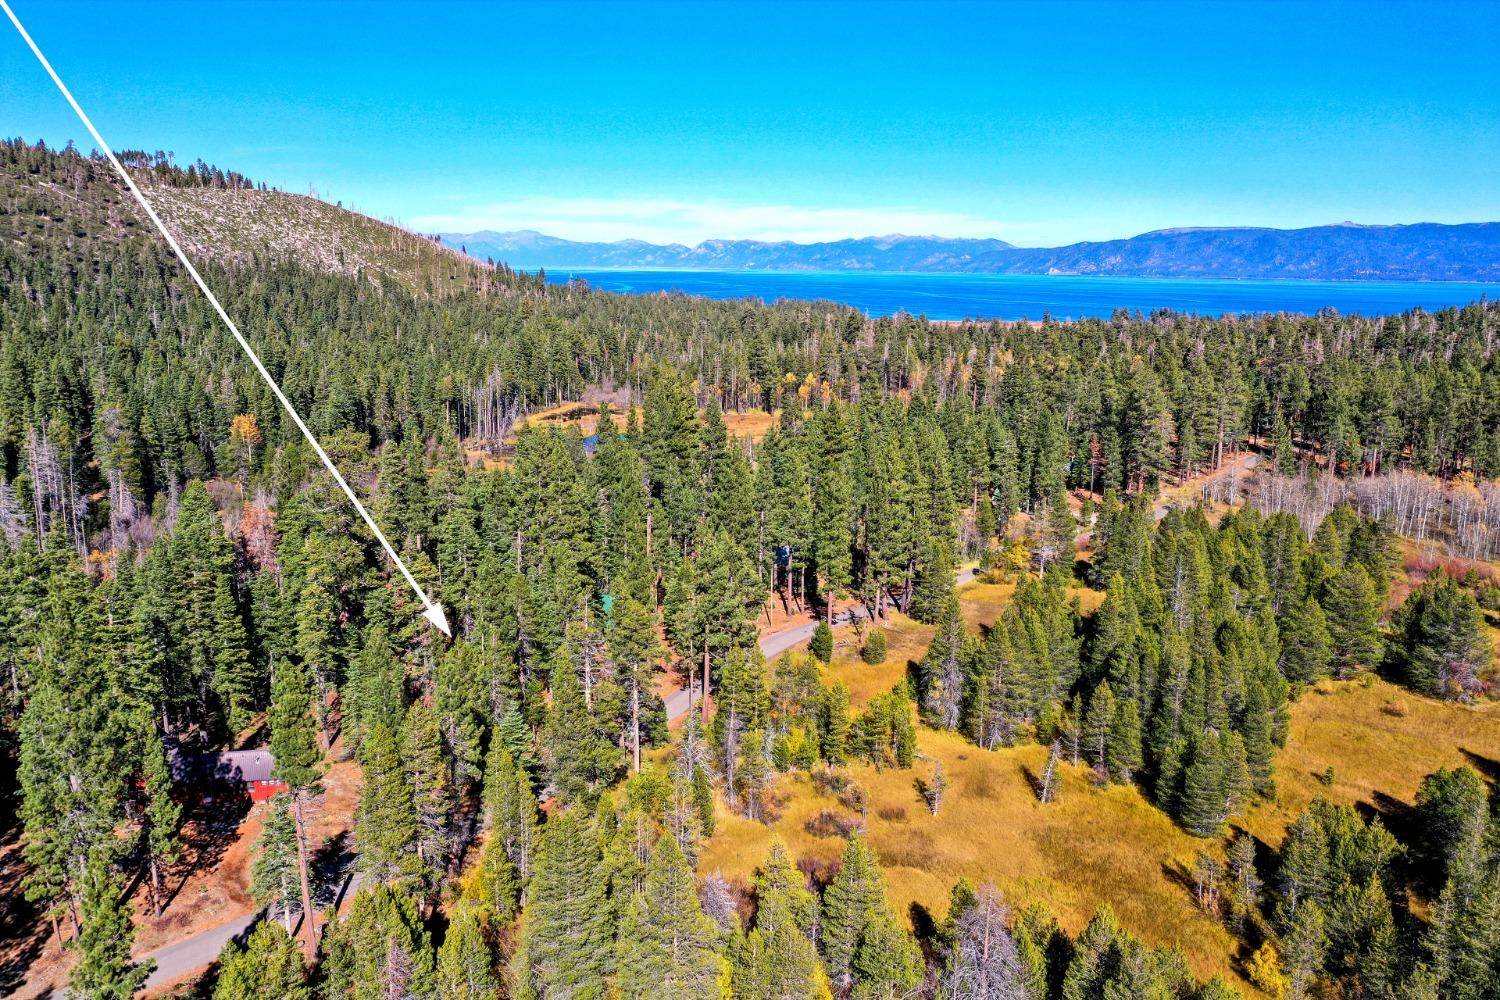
(179, 575)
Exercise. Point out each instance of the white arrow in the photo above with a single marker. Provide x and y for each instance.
(434, 612)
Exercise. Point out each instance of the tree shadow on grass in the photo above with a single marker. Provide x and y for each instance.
(924, 925)
(1401, 819)
(1488, 767)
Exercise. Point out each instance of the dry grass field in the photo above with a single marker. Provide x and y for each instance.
(1381, 741)
(1089, 847)
(1098, 845)
(751, 425)
(981, 603)
(906, 644)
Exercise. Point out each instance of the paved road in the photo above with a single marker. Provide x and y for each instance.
(194, 953)
(178, 959)
(678, 703)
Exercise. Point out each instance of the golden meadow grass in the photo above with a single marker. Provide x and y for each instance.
(1096, 845)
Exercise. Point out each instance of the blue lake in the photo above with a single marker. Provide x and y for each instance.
(1007, 296)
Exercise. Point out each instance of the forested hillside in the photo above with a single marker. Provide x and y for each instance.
(180, 576)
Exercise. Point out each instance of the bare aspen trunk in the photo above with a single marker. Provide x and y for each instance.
(307, 908)
(156, 885)
(286, 911)
(703, 704)
(635, 723)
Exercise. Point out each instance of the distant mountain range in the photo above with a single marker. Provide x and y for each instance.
(1421, 252)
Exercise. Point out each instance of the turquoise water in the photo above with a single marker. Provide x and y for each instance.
(1008, 296)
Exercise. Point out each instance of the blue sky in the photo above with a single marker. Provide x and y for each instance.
(1037, 123)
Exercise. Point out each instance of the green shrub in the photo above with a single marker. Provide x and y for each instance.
(822, 643)
(875, 647)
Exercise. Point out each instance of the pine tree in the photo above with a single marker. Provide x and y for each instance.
(207, 620)
(1303, 874)
(379, 950)
(465, 962)
(776, 960)
(565, 944)
(751, 774)
(834, 725)
(328, 566)
(779, 878)
(426, 778)
(578, 757)
(1258, 731)
(728, 598)
(821, 644)
(294, 745)
(888, 963)
(105, 970)
(161, 814)
(274, 875)
(1097, 724)
(863, 944)
(1302, 949)
(496, 884)
(1452, 814)
(667, 945)
(932, 592)
(1203, 788)
(77, 737)
(514, 732)
(1353, 612)
(386, 826)
(943, 668)
(1440, 644)
(375, 689)
(634, 648)
(1125, 755)
(832, 538)
(510, 808)
(1306, 644)
(1095, 955)
(847, 906)
(1055, 546)
(268, 964)
(463, 687)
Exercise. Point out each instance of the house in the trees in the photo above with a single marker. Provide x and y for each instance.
(245, 772)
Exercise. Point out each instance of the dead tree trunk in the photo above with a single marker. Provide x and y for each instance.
(308, 918)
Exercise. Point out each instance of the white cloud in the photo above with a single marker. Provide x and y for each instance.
(665, 220)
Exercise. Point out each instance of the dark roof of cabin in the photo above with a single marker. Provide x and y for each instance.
(225, 765)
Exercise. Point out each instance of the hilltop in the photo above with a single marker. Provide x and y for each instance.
(1343, 252)
(217, 216)
(234, 224)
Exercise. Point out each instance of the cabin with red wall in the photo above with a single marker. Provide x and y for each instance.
(246, 772)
